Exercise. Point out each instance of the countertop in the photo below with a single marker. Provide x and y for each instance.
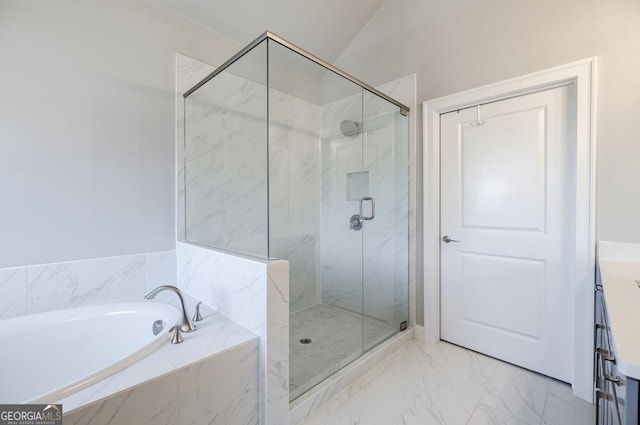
(619, 268)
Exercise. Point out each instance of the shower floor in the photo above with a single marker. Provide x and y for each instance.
(336, 340)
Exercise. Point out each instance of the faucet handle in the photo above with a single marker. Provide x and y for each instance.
(177, 337)
(197, 317)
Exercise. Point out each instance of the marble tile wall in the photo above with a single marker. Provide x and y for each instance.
(39, 288)
(220, 390)
(341, 248)
(226, 165)
(294, 198)
(255, 294)
(188, 73)
(13, 292)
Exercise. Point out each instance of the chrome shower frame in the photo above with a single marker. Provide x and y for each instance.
(404, 110)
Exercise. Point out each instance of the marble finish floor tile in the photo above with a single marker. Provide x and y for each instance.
(337, 340)
(562, 408)
(518, 393)
(444, 384)
(485, 415)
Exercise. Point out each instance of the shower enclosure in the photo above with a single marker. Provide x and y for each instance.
(287, 157)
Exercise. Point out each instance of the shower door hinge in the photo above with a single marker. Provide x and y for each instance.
(403, 326)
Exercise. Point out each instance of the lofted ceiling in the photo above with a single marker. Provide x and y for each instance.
(322, 27)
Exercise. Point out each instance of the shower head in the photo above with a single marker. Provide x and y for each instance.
(349, 128)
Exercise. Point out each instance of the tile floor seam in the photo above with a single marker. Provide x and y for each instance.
(474, 410)
(546, 401)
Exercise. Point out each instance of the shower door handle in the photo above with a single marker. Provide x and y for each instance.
(373, 208)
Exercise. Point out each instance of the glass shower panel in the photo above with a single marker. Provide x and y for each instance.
(226, 158)
(385, 238)
(314, 185)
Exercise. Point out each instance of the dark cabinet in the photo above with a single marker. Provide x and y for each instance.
(616, 395)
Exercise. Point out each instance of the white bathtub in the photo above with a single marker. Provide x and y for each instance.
(48, 356)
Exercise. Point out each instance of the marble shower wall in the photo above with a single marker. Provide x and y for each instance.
(225, 171)
(39, 288)
(227, 209)
(188, 73)
(255, 294)
(294, 195)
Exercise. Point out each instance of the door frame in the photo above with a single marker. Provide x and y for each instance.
(583, 74)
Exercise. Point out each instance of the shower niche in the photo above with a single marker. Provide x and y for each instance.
(287, 157)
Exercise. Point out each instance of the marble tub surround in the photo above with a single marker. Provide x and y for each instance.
(255, 294)
(160, 269)
(39, 288)
(220, 354)
(13, 292)
(189, 396)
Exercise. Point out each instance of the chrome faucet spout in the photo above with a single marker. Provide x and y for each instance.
(186, 325)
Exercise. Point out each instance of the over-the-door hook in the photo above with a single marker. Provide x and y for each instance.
(478, 120)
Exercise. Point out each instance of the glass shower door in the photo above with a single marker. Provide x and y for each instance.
(315, 184)
(344, 185)
(386, 236)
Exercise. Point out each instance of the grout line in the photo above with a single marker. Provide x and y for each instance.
(27, 284)
(546, 399)
(475, 408)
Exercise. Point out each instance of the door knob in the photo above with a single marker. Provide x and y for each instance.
(447, 239)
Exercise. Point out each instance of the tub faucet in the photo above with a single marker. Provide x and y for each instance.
(186, 325)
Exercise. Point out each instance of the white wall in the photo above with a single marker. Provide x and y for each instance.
(87, 126)
(462, 44)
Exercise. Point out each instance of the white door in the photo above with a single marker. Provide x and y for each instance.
(507, 201)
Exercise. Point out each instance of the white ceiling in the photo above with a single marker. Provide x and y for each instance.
(322, 27)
